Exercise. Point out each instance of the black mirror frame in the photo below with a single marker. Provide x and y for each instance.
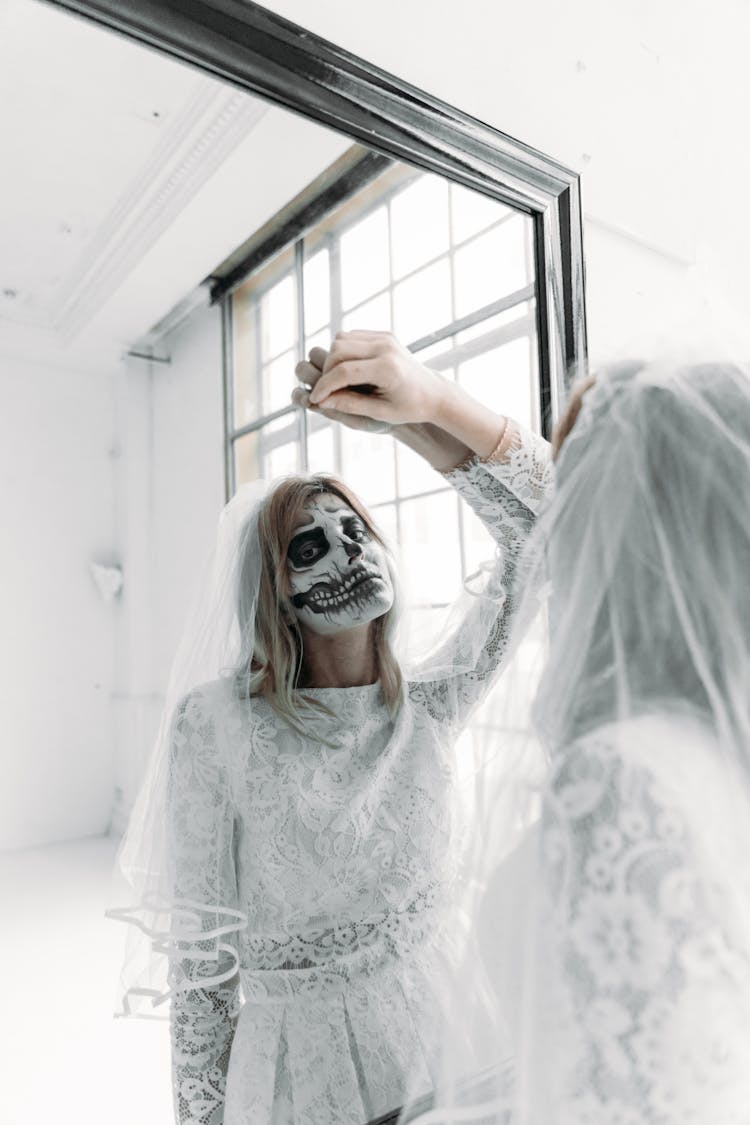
(244, 44)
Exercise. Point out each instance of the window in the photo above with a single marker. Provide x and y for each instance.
(451, 273)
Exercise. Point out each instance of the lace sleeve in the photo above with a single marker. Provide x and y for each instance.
(646, 993)
(202, 1020)
(506, 496)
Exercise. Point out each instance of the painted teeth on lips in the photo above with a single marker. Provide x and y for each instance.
(323, 598)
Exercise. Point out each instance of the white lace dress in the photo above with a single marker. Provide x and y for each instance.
(339, 852)
(642, 955)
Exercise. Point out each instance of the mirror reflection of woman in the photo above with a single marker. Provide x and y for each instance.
(631, 973)
(306, 796)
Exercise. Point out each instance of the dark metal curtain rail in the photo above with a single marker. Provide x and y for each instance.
(371, 165)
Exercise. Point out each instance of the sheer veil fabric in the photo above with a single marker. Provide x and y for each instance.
(614, 939)
(169, 926)
(183, 925)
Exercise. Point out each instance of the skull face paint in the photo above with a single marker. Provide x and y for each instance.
(338, 574)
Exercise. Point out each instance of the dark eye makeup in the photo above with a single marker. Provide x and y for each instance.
(307, 547)
(355, 529)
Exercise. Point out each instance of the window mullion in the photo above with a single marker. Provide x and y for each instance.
(299, 270)
(336, 317)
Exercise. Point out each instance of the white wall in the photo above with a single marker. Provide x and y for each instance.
(189, 490)
(57, 647)
(170, 490)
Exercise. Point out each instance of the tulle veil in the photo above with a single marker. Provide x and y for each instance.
(634, 616)
(637, 585)
(178, 937)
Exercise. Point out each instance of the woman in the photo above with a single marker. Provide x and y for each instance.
(296, 840)
(631, 978)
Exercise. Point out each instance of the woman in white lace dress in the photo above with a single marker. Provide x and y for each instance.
(309, 793)
(631, 976)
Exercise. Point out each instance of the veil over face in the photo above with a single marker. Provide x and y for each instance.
(591, 939)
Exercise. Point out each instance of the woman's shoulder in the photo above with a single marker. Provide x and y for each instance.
(676, 755)
(203, 701)
(649, 739)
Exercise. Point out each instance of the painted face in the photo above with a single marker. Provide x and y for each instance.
(338, 573)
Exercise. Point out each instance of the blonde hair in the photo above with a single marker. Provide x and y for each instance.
(273, 668)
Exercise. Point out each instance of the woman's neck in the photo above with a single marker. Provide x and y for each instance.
(342, 660)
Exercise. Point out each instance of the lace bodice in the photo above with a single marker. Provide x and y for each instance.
(644, 946)
(337, 849)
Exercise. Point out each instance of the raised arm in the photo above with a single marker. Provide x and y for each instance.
(505, 494)
(200, 827)
(369, 381)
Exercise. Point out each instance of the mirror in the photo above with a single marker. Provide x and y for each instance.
(179, 232)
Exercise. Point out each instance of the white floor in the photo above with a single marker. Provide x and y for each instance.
(64, 1058)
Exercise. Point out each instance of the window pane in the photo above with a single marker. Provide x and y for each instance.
(430, 549)
(422, 303)
(279, 318)
(386, 522)
(279, 381)
(281, 460)
(441, 348)
(472, 212)
(278, 446)
(503, 379)
(414, 473)
(374, 315)
(419, 224)
(368, 465)
(365, 260)
(321, 451)
(246, 402)
(492, 266)
(317, 289)
(246, 461)
(321, 339)
(508, 316)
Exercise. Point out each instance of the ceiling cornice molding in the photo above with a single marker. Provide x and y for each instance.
(203, 134)
(207, 130)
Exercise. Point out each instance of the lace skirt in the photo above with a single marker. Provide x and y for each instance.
(311, 1048)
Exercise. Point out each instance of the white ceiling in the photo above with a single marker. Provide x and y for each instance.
(128, 178)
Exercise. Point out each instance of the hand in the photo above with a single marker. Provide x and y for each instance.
(309, 373)
(567, 419)
(371, 374)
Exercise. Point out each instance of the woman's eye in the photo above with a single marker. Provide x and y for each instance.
(308, 554)
(358, 534)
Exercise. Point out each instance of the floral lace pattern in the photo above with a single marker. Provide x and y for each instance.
(339, 849)
(647, 967)
(506, 496)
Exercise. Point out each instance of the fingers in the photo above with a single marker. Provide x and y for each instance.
(318, 357)
(346, 374)
(308, 371)
(301, 397)
(354, 420)
(345, 349)
(349, 402)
